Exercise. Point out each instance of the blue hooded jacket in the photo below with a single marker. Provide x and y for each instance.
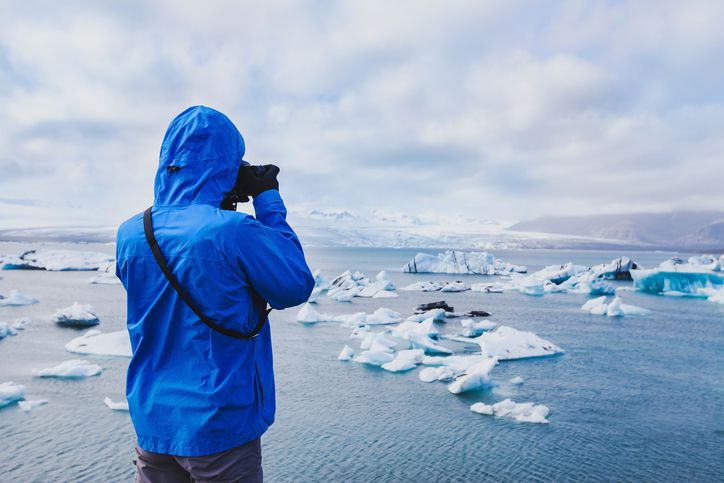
(193, 391)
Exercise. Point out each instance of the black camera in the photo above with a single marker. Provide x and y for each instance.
(240, 192)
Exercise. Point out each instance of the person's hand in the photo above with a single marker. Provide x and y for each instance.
(257, 179)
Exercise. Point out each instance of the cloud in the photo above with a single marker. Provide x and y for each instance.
(489, 109)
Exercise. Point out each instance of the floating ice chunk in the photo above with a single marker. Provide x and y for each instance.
(716, 296)
(383, 277)
(405, 360)
(16, 299)
(116, 406)
(307, 315)
(106, 275)
(344, 295)
(447, 368)
(314, 295)
(94, 342)
(437, 373)
(471, 328)
(383, 316)
(530, 286)
(675, 281)
(457, 286)
(360, 332)
(475, 377)
(346, 354)
(618, 309)
(72, 369)
(378, 339)
(419, 341)
(77, 315)
(319, 281)
(20, 323)
(28, 405)
(523, 412)
(507, 343)
(438, 315)
(597, 306)
(425, 286)
(56, 260)
(6, 330)
(489, 287)
(384, 294)
(352, 320)
(426, 328)
(456, 262)
(516, 381)
(374, 358)
(10, 392)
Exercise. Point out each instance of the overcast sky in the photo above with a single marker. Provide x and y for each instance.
(504, 110)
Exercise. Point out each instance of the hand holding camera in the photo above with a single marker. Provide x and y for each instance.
(251, 181)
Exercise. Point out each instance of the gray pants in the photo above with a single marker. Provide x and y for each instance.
(240, 464)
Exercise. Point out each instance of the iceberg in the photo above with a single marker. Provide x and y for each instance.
(20, 323)
(72, 369)
(27, 405)
(616, 308)
(507, 343)
(56, 260)
(106, 275)
(116, 406)
(489, 287)
(405, 360)
(425, 286)
(6, 330)
(523, 412)
(457, 262)
(320, 282)
(16, 299)
(475, 377)
(94, 342)
(457, 286)
(420, 341)
(307, 315)
(383, 316)
(447, 368)
(77, 315)
(697, 278)
(346, 354)
(354, 284)
(471, 328)
(374, 358)
(574, 278)
(10, 392)
(516, 381)
(438, 315)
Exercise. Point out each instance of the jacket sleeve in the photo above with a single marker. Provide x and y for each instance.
(271, 255)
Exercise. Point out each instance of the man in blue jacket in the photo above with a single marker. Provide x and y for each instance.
(199, 398)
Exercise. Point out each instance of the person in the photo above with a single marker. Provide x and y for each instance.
(200, 399)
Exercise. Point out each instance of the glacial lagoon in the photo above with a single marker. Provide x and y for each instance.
(632, 398)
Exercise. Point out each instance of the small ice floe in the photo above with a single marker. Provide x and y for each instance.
(29, 404)
(56, 260)
(438, 315)
(616, 308)
(346, 354)
(426, 327)
(475, 377)
(457, 286)
(430, 346)
(72, 369)
(447, 368)
(316, 292)
(10, 392)
(16, 299)
(307, 315)
(106, 275)
(523, 412)
(507, 343)
(404, 360)
(516, 381)
(21, 323)
(354, 284)
(94, 342)
(6, 330)
(116, 406)
(320, 281)
(360, 332)
(456, 262)
(425, 286)
(488, 287)
(383, 316)
(77, 315)
(472, 328)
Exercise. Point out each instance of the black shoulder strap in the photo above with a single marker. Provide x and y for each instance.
(151, 239)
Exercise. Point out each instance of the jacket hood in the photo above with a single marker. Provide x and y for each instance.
(200, 157)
